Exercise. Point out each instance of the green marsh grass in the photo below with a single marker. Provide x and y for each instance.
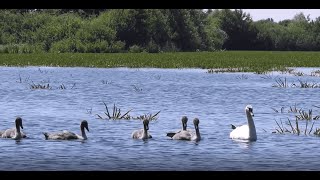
(242, 61)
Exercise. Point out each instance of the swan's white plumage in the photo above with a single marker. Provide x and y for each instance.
(247, 131)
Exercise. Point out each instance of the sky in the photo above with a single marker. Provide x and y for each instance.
(280, 14)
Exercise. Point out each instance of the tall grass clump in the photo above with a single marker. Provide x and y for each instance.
(300, 124)
(115, 114)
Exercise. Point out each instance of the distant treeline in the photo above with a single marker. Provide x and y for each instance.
(151, 30)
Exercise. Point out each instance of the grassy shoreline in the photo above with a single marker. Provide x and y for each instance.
(244, 61)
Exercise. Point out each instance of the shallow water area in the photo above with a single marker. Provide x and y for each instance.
(217, 99)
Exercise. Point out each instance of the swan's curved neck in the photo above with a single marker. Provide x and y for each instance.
(83, 133)
(17, 133)
(252, 128)
(197, 132)
(17, 127)
(145, 132)
(184, 126)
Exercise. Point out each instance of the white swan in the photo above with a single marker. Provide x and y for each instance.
(14, 133)
(184, 121)
(248, 131)
(142, 133)
(67, 135)
(189, 135)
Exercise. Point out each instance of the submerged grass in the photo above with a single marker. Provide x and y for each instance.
(243, 61)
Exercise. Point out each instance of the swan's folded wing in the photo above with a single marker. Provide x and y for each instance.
(183, 135)
(9, 133)
(137, 134)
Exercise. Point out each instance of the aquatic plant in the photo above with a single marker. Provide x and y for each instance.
(116, 113)
(222, 70)
(294, 109)
(267, 76)
(40, 86)
(281, 83)
(306, 84)
(136, 88)
(243, 76)
(293, 130)
(149, 117)
(306, 115)
(25, 80)
(302, 84)
(300, 115)
(106, 82)
(315, 73)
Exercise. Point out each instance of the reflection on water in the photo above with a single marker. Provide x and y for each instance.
(218, 100)
(244, 144)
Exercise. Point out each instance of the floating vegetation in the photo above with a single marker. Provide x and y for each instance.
(267, 76)
(294, 109)
(315, 73)
(286, 70)
(281, 83)
(293, 129)
(42, 71)
(116, 113)
(306, 115)
(157, 77)
(306, 84)
(47, 86)
(149, 117)
(298, 73)
(223, 70)
(275, 110)
(284, 84)
(40, 86)
(89, 111)
(243, 76)
(106, 82)
(136, 88)
(293, 72)
(317, 132)
(301, 116)
(25, 80)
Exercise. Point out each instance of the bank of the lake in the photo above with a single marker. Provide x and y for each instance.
(252, 61)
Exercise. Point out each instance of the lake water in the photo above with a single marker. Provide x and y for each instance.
(217, 99)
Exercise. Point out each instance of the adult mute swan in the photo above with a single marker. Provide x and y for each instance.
(189, 135)
(184, 121)
(14, 133)
(247, 131)
(142, 133)
(67, 135)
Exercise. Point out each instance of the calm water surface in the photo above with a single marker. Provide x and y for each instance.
(218, 100)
